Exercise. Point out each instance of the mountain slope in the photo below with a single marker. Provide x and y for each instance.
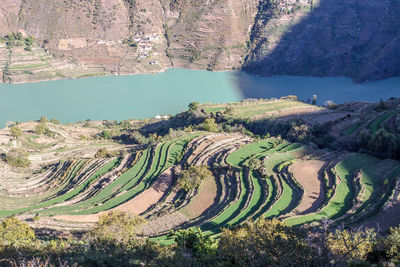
(357, 38)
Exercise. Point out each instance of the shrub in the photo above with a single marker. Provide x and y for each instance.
(381, 106)
(254, 164)
(392, 243)
(191, 178)
(195, 242)
(383, 143)
(210, 125)
(41, 128)
(43, 119)
(18, 158)
(104, 153)
(230, 111)
(15, 233)
(55, 121)
(115, 227)
(16, 131)
(194, 106)
(266, 243)
(330, 104)
(350, 246)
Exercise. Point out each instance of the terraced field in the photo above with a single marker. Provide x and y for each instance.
(270, 108)
(20, 65)
(293, 182)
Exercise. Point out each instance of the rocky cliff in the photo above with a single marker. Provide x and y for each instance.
(355, 38)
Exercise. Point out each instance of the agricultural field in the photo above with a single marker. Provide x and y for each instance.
(33, 64)
(77, 175)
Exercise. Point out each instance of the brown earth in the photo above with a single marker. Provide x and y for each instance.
(136, 205)
(203, 200)
(306, 173)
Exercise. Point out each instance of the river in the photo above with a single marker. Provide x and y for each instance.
(148, 95)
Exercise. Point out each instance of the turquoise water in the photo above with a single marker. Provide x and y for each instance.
(147, 95)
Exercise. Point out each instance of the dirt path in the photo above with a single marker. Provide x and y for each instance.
(136, 205)
(306, 174)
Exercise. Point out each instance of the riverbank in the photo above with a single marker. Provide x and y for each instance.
(119, 97)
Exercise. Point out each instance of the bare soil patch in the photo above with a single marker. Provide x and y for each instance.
(306, 174)
(203, 200)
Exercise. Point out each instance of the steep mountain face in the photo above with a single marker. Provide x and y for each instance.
(9, 10)
(355, 38)
(208, 34)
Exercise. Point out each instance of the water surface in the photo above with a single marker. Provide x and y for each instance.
(148, 95)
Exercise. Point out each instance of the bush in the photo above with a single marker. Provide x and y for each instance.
(16, 131)
(40, 129)
(191, 178)
(383, 143)
(194, 106)
(349, 246)
(14, 233)
(210, 125)
(43, 119)
(55, 121)
(115, 227)
(104, 153)
(266, 243)
(392, 243)
(18, 158)
(195, 242)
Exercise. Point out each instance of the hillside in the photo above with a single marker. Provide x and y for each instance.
(207, 175)
(269, 158)
(265, 37)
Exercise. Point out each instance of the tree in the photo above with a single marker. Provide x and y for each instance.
(41, 129)
(210, 125)
(381, 106)
(195, 242)
(194, 106)
(229, 111)
(364, 138)
(43, 119)
(383, 143)
(16, 131)
(300, 133)
(350, 246)
(191, 178)
(392, 244)
(115, 227)
(266, 243)
(106, 134)
(18, 158)
(314, 99)
(254, 164)
(330, 104)
(15, 233)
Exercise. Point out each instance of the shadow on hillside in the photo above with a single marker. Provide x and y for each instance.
(353, 38)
